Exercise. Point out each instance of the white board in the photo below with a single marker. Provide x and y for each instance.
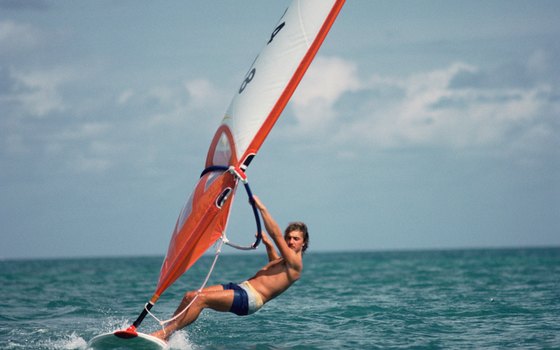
(111, 341)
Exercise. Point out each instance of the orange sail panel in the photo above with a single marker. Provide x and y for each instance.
(204, 217)
(201, 224)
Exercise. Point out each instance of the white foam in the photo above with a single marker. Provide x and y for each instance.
(71, 342)
(180, 340)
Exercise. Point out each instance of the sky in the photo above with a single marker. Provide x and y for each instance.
(420, 125)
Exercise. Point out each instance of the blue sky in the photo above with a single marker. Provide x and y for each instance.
(425, 124)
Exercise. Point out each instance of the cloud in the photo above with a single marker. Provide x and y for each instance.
(125, 97)
(202, 92)
(29, 86)
(81, 146)
(461, 107)
(32, 106)
(91, 164)
(49, 115)
(174, 104)
(155, 119)
(17, 37)
(87, 130)
(327, 79)
(38, 93)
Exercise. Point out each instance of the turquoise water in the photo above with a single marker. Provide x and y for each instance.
(457, 299)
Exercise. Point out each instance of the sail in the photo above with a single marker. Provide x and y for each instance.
(255, 107)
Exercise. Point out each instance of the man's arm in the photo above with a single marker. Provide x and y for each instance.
(270, 251)
(290, 257)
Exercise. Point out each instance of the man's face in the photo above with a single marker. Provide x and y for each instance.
(294, 239)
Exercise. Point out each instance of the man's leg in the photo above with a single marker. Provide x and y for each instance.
(188, 297)
(214, 297)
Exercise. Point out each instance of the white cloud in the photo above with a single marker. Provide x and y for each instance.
(15, 37)
(85, 131)
(422, 109)
(125, 97)
(202, 92)
(84, 147)
(174, 104)
(89, 164)
(38, 92)
(327, 79)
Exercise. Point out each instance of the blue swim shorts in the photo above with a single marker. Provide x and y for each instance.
(246, 300)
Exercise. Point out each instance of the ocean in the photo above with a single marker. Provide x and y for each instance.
(444, 299)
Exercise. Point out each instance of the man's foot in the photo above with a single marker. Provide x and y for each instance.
(160, 334)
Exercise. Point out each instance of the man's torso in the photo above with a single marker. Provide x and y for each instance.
(272, 279)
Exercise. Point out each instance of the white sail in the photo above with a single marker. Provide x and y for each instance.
(274, 75)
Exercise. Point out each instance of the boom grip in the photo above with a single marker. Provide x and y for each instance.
(257, 221)
(257, 216)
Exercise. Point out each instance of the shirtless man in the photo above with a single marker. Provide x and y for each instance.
(248, 297)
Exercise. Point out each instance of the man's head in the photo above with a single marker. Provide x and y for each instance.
(297, 236)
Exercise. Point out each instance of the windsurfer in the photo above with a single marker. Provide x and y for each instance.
(281, 271)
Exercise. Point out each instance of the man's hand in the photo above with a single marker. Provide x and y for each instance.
(269, 224)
